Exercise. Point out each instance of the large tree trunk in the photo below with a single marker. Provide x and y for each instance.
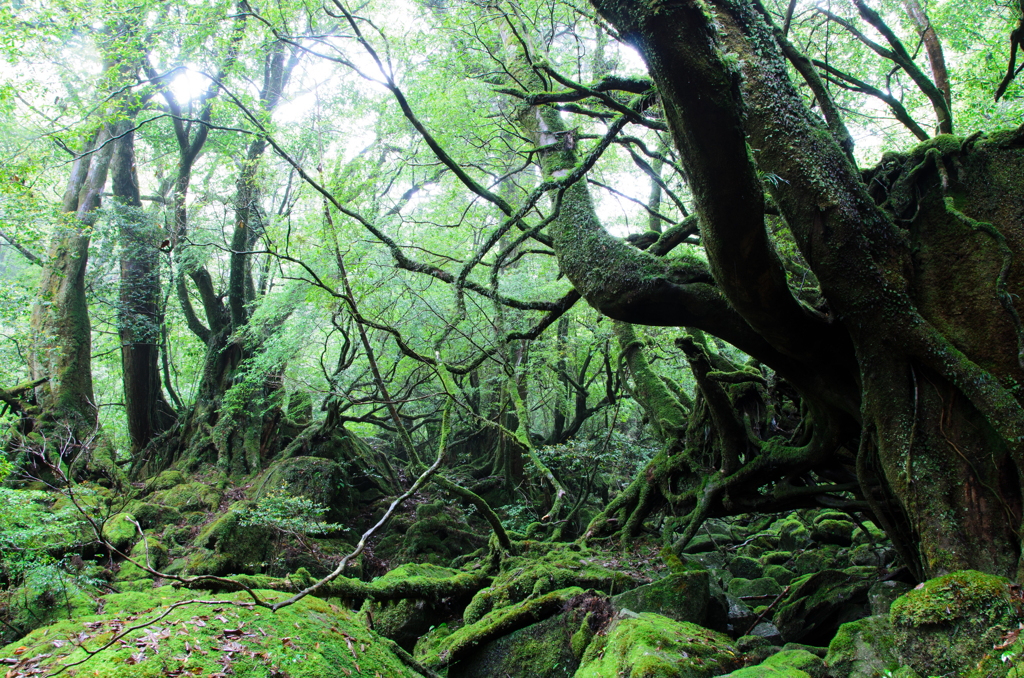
(147, 412)
(920, 302)
(62, 340)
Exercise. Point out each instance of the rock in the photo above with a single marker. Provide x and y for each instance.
(712, 561)
(557, 569)
(541, 650)
(792, 534)
(152, 515)
(120, 531)
(833, 532)
(225, 546)
(701, 543)
(947, 625)
(755, 648)
(157, 559)
(189, 497)
(862, 649)
(682, 596)
(311, 638)
(767, 631)
(785, 664)
(776, 557)
(780, 574)
(320, 480)
(882, 594)
(873, 535)
(652, 645)
(165, 481)
(818, 603)
(763, 587)
(744, 567)
(404, 621)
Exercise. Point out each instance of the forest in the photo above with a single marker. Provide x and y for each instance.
(512, 338)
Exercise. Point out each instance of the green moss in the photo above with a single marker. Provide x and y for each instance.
(120, 531)
(762, 587)
(652, 646)
(435, 596)
(949, 624)
(493, 625)
(863, 648)
(165, 481)
(226, 546)
(683, 597)
(559, 568)
(189, 497)
(157, 559)
(309, 639)
(152, 515)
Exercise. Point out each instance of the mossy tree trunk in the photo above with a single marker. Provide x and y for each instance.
(909, 372)
(139, 314)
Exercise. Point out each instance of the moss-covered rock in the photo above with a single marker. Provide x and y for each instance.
(762, 587)
(682, 596)
(497, 623)
(948, 625)
(652, 646)
(833, 532)
(862, 649)
(882, 594)
(785, 664)
(186, 497)
(120, 531)
(818, 603)
(165, 481)
(151, 516)
(404, 621)
(309, 639)
(746, 568)
(782, 575)
(793, 534)
(541, 650)
(320, 480)
(226, 546)
(157, 559)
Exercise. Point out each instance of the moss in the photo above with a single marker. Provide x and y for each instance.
(120, 531)
(434, 598)
(780, 574)
(652, 646)
(226, 546)
(792, 534)
(309, 639)
(495, 624)
(320, 480)
(817, 603)
(969, 612)
(745, 567)
(540, 651)
(152, 515)
(833, 532)
(165, 481)
(157, 559)
(559, 568)
(762, 587)
(189, 497)
(863, 649)
(683, 597)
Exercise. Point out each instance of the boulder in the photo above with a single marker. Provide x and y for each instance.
(652, 646)
(682, 596)
(818, 603)
(951, 624)
(862, 649)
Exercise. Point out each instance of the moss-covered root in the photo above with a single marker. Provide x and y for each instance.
(651, 646)
(413, 582)
(310, 639)
(495, 624)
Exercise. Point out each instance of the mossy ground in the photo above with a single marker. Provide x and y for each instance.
(310, 639)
